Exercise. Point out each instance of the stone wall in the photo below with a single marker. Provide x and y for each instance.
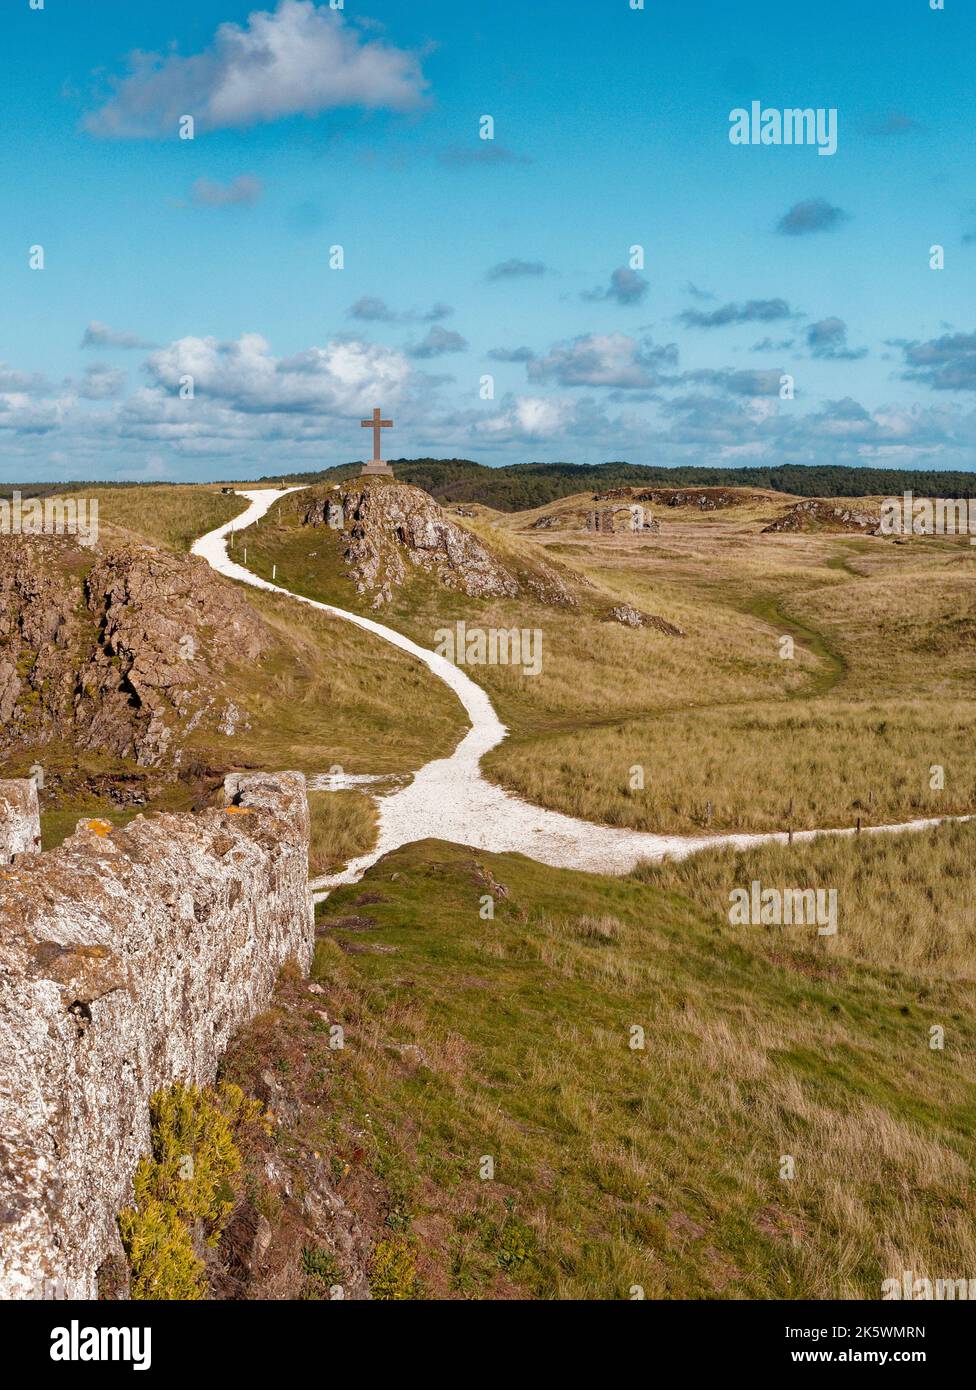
(20, 822)
(128, 959)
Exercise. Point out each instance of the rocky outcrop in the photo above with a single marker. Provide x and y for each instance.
(125, 653)
(20, 821)
(704, 499)
(390, 528)
(814, 514)
(630, 616)
(128, 959)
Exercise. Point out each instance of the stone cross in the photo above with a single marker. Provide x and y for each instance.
(376, 424)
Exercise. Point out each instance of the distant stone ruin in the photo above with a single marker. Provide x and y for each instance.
(630, 616)
(128, 960)
(705, 499)
(601, 520)
(609, 520)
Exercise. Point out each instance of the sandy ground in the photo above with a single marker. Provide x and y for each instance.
(449, 799)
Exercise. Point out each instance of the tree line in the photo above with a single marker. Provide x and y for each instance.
(522, 486)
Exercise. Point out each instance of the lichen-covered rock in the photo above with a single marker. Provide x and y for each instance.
(128, 959)
(20, 821)
(125, 652)
(390, 527)
(814, 514)
(630, 616)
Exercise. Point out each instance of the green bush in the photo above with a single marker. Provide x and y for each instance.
(321, 1272)
(194, 1151)
(185, 1184)
(515, 1246)
(160, 1250)
(393, 1270)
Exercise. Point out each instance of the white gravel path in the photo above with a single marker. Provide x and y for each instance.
(449, 799)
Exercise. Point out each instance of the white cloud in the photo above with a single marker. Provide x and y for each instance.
(438, 342)
(604, 359)
(22, 414)
(528, 418)
(626, 287)
(301, 59)
(15, 382)
(342, 378)
(101, 383)
(828, 339)
(371, 309)
(255, 412)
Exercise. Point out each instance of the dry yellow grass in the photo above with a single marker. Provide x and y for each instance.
(326, 697)
(805, 765)
(904, 901)
(729, 734)
(879, 690)
(343, 827)
(333, 696)
(171, 515)
(592, 669)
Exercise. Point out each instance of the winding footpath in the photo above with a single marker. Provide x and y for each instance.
(449, 798)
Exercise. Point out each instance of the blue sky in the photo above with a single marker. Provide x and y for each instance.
(167, 259)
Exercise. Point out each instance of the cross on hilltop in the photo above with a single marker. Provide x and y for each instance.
(376, 467)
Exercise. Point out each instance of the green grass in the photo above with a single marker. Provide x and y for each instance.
(593, 670)
(334, 696)
(57, 825)
(524, 485)
(80, 784)
(509, 1038)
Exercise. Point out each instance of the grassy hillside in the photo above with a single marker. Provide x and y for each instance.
(509, 1038)
(888, 628)
(729, 735)
(522, 486)
(166, 514)
(171, 516)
